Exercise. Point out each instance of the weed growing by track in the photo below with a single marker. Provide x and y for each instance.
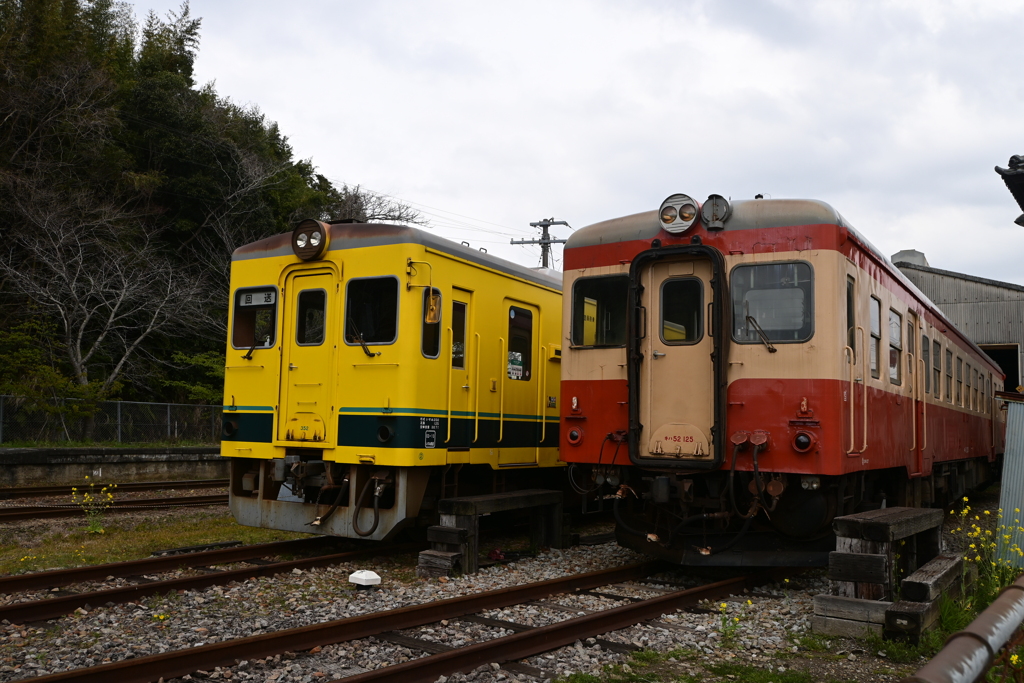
(94, 504)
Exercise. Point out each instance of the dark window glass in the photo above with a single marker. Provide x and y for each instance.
(937, 365)
(255, 320)
(876, 334)
(895, 345)
(682, 305)
(949, 376)
(777, 297)
(959, 381)
(926, 363)
(431, 331)
(310, 317)
(371, 311)
(458, 335)
(599, 311)
(520, 343)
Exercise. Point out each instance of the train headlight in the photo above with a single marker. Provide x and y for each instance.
(810, 483)
(310, 239)
(678, 213)
(803, 441)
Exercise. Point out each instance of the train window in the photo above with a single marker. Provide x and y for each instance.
(851, 316)
(371, 311)
(949, 376)
(311, 317)
(459, 335)
(895, 345)
(926, 364)
(599, 311)
(431, 344)
(911, 352)
(776, 298)
(520, 343)
(876, 335)
(977, 405)
(682, 303)
(937, 365)
(967, 398)
(255, 320)
(959, 381)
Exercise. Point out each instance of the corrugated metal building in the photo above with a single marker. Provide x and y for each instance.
(990, 312)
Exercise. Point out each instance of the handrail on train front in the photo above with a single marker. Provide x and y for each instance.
(476, 399)
(853, 425)
(451, 344)
(862, 336)
(502, 372)
(540, 393)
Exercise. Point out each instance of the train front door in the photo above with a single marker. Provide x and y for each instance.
(518, 399)
(677, 392)
(307, 357)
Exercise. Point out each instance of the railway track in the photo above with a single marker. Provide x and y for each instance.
(52, 607)
(387, 626)
(8, 492)
(14, 513)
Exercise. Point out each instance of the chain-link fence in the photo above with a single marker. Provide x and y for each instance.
(71, 420)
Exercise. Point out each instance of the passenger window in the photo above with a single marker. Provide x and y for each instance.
(681, 309)
(851, 316)
(371, 311)
(876, 335)
(959, 381)
(775, 297)
(459, 335)
(967, 398)
(895, 345)
(949, 376)
(977, 405)
(520, 343)
(937, 365)
(926, 364)
(311, 317)
(431, 345)
(255, 321)
(599, 311)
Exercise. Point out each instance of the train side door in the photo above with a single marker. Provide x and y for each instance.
(677, 405)
(519, 421)
(307, 357)
(460, 420)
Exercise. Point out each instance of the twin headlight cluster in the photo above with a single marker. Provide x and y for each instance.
(310, 239)
(679, 212)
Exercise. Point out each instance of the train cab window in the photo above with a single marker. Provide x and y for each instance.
(851, 316)
(895, 345)
(255, 318)
(977, 406)
(311, 317)
(682, 303)
(937, 365)
(949, 376)
(459, 335)
(775, 298)
(959, 381)
(968, 397)
(520, 343)
(431, 344)
(599, 311)
(371, 311)
(926, 363)
(876, 335)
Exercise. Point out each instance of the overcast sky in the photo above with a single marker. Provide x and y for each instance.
(487, 117)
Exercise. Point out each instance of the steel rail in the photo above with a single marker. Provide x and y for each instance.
(149, 565)
(545, 638)
(7, 492)
(21, 512)
(50, 608)
(180, 662)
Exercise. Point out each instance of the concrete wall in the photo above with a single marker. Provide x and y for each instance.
(70, 466)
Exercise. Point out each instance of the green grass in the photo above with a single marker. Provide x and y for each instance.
(120, 543)
(752, 674)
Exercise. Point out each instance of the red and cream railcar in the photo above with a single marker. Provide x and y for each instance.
(739, 373)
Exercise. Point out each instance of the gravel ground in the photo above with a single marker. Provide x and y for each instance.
(772, 621)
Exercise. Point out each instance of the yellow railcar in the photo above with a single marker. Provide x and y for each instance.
(372, 369)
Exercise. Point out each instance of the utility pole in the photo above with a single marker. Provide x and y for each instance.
(545, 240)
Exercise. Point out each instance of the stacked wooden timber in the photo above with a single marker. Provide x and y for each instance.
(886, 574)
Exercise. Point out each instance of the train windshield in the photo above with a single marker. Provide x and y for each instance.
(255, 320)
(371, 315)
(599, 311)
(774, 298)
